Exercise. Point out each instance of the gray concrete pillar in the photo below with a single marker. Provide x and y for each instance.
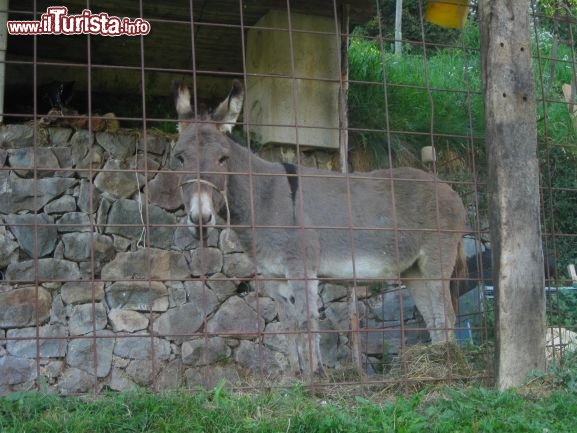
(313, 103)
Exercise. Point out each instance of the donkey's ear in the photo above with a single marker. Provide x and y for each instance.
(182, 101)
(228, 111)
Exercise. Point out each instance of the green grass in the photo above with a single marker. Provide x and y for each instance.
(450, 410)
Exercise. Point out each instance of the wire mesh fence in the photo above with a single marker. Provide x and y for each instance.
(146, 242)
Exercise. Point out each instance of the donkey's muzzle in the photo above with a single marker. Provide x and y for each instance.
(201, 224)
(205, 220)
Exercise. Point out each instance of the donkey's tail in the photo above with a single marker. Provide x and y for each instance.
(459, 273)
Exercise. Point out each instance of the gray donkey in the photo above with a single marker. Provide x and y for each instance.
(301, 224)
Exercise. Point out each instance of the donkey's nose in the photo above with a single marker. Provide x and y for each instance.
(206, 219)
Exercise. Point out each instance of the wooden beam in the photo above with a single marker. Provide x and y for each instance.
(511, 140)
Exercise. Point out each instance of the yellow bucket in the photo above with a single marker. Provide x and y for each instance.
(447, 13)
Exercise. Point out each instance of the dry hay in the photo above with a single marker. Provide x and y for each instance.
(435, 365)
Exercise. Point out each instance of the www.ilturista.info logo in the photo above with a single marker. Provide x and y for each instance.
(56, 21)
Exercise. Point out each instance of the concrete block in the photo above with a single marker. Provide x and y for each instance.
(314, 101)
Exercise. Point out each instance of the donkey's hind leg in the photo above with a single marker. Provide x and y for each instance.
(431, 293)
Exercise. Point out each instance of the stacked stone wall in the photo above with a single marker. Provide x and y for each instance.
(103, 285)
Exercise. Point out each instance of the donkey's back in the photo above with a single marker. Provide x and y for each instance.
(388, 220)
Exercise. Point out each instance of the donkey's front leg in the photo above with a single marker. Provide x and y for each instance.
(305, 312)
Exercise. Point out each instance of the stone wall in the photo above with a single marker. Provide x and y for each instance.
(87, 302)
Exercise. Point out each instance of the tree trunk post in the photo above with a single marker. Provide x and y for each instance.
(398, 27)
(511, 140)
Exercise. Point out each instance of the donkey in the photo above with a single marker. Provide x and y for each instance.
(300, 224)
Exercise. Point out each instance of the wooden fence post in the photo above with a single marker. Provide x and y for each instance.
(511, 140)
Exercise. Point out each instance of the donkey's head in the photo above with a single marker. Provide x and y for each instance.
(202, 154)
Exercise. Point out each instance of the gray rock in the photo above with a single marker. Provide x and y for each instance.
(25, 345)
(85, 318)
(33, 233)
(64, 157)
(88, 246)
(20, 307)
(330, 345)
(8, 250)
(58, 311)
(91, 163)
(102, 214)
(64, 204)
(18, 194)
(116, 182)
(224, 287)
(154, 144)
(81, 352)
(80, 292)
(229, 242)
(140, 371)
(386, 307)
(88, 197)
(52, 370)
(205, 351)
(379, 343)
(121, 244)
(276, 337)
(140, 347)
(148, 166)
(59, 136)
(333, 292)
(205, 261)
(127, 320)
(14, 370)
(209, 377)
(252, 356)
(58, 251)
(75, 381)
(238, 265)
(201, 295)
(235, 316)
(3, 157)
(170, 376)
(79, 144)
(127, 212)
(118, 145)
(23, 161)
(74, 222)
(176, 294)
(86, 158)
(48, 270)
(119, 381)
(164, 190)
(119, 362)
(16, 136)
(184, 239)
(179, 322)
(140, 296)
(150, 263)
(264, 305)
(338, 315)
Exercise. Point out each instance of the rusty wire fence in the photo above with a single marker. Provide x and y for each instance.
(105, 285)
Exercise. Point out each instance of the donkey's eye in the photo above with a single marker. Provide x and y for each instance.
(180, 158)
(222, 160)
